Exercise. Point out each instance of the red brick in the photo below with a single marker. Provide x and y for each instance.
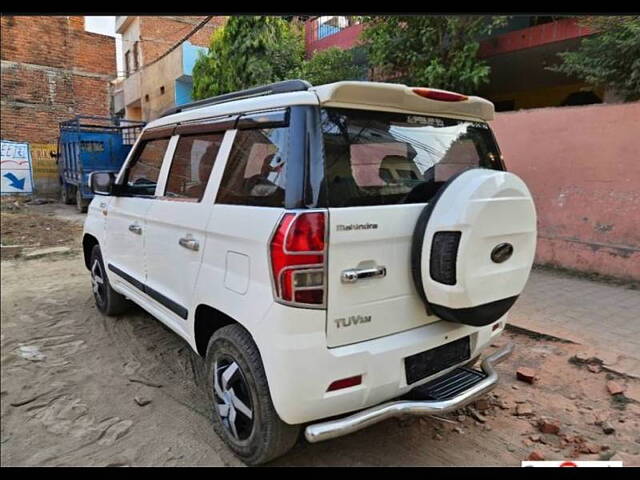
(536, 456)
(526, 374)
(159, 33)
(549, 426)
(47, 82)
(614, 387)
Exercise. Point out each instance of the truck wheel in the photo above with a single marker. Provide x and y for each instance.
(107, 299)
(65, 194)
(243, 413)
(81, 205)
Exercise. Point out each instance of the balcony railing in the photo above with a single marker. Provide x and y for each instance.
(325, 31)
(331, 25)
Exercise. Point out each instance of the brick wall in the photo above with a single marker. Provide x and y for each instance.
(51, 70)
(157, 34)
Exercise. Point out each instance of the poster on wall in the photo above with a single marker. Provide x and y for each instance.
(43, 161)
(15, 168)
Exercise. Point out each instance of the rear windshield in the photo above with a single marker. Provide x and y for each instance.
(380, 158)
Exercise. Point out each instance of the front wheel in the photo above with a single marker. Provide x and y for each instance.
(243, 413)
(107, 299)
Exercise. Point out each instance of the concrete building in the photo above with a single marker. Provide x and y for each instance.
(518, 55)
(147, 87)
(52, 70)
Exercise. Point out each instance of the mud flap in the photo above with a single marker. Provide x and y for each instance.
(473, 246)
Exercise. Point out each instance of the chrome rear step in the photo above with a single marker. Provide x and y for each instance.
(447, 386)
(461, 397)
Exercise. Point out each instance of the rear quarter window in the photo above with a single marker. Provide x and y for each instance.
(255, 173)
(379, 158)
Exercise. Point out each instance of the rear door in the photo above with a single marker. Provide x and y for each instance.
(381, 169)
(176, 221)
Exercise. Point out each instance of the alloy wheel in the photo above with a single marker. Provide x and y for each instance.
(233, 398)
(97, 282)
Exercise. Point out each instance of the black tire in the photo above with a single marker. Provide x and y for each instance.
(66, 196)
(263, 436)
(108, 301)
(81, 205)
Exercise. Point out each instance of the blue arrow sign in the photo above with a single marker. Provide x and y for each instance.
(14, 181)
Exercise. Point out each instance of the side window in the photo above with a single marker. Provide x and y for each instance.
(142, 175)
(192, 164)
(255, 172)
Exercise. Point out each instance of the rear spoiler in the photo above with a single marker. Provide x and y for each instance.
(401, 98)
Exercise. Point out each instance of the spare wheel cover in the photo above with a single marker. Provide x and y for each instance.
(473, 246)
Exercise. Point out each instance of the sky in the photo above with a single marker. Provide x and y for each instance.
(107, 26)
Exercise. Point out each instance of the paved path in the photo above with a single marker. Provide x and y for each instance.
(595, 314)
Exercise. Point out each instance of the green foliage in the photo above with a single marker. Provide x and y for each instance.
(248, 51)
(610, 58)
(434, 51)
(332, 65)
(209, 72)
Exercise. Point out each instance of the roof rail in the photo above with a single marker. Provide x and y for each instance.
(271, 89)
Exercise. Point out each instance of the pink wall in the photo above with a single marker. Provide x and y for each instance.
(582, 165)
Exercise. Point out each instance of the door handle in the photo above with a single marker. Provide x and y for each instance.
(189, 242)
(352, 275)
(135, 228)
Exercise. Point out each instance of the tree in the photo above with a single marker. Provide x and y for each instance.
(434, 51)
(332, 65)
(610, 58)
(248, 51)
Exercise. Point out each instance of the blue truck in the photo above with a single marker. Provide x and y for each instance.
(87, 144)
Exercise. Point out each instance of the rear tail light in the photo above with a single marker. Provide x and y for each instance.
(298, 259)
(441, 95)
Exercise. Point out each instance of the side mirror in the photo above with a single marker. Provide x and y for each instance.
(101, 183)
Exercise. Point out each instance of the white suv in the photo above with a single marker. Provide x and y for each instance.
(325, 250)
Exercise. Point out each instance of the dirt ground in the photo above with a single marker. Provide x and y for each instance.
(71, 377)
(38, 225)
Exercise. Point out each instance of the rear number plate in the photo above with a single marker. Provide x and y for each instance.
(425, 364)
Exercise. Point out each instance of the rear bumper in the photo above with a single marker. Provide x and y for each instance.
(344, 426)
(300, 367)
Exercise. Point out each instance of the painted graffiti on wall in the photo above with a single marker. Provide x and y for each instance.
(15, 171)
(43, 160)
